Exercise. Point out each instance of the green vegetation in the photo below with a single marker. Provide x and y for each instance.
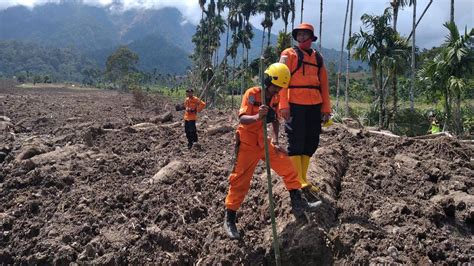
(31, 62)
(384, 97)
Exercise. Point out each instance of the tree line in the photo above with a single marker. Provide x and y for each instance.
(394, 60)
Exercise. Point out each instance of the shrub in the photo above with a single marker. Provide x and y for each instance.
(411, 123)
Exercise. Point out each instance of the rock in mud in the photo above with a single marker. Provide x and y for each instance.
(5, 118)
(91, 135)
(219, 130)
(6, 126)
(144, 126)
(166, 117)
(28, 152)
(167, 174)
(27, 165)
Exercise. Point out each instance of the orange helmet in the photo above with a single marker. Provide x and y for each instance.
(304, 26)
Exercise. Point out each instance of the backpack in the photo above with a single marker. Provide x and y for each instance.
(319, 60)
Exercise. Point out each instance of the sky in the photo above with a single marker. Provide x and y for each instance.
(430, 32)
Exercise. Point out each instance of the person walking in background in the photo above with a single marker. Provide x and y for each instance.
(192, 105)
(250, 148)
(305, 105)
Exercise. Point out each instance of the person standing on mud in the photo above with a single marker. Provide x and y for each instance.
(305, 105)
(192, 106)
(250, 148)
(435, 127)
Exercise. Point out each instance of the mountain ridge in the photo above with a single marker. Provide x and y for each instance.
(97, 31)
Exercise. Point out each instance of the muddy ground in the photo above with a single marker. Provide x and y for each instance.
(88, 177)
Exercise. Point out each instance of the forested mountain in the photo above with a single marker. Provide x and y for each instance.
(21, 58)
(168, 23)
(83, 27)
(161, 38)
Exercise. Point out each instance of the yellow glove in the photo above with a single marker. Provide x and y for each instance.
(328, 123)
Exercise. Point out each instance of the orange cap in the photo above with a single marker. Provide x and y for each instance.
(304, 26)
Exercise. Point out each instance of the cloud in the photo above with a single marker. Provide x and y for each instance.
(430, 31)
(190, 9)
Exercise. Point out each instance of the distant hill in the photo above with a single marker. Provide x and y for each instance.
(161, 38)
(30, 58)
(78, 26)
(168, 23)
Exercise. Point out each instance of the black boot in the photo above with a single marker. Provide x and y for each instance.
(311, 192)
(299, 204)
(229, 224)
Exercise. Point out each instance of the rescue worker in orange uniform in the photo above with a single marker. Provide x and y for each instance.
(192, 106)
(250, 148)
(305, 105)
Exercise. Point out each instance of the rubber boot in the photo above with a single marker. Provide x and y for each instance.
(304, 168)
(229, 224)
(311, 192)
(299, 204)
(296, 160)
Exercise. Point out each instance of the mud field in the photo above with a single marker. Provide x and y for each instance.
(88, 177)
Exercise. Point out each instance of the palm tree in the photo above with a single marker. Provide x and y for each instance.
(217, 28)
(419, 19)
(302, 7)
(396, 5)
(271, 10)
(340, 58)
(449, 72)
(372, 46)
(220, 22)
(413, 49)
(452, 12)
(248, 8)
(293, 13)
(396, 62)
(202, 3)
(320, 25)
(285, 12)
(346, 109)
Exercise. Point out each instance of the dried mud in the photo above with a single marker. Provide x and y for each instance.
(87, 177)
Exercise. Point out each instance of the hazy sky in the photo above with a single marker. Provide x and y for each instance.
(430, 31)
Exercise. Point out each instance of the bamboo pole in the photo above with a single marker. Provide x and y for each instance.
(276, 244)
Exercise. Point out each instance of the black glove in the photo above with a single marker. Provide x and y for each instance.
(271, 115)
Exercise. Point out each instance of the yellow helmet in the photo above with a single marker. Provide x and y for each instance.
(279, 74)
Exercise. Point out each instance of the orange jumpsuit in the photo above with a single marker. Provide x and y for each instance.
(193, 105)
(251, 151)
